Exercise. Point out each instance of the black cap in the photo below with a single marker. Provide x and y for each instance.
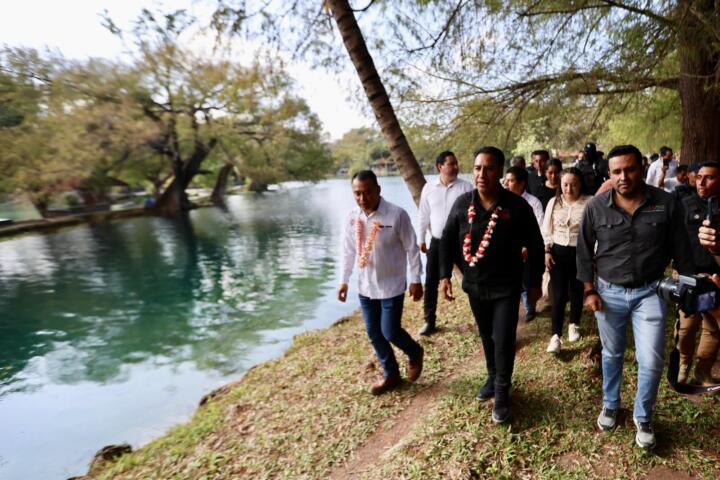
(589, 148)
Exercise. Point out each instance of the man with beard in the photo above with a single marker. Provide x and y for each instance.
(485, 233)
(638, 229)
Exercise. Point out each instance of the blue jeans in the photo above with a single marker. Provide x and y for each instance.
(647, 311)
(382, 324)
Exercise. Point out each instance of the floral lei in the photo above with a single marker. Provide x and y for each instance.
(364, 250)
(485, 242)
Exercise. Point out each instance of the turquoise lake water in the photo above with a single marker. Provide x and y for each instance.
(112, 333)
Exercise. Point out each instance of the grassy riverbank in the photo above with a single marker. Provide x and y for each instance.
(308, 415)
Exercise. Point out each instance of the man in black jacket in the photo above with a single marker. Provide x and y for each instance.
(485, 233)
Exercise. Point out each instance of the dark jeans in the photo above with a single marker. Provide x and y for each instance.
(497, 322)
(564, 284)
(382, 324)
(432, 281)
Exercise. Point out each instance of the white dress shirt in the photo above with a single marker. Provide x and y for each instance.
(385, 274)
(655, 170)
(536, 205)
(436, 200)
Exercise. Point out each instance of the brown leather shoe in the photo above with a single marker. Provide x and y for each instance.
(415, 367)
(387, 383)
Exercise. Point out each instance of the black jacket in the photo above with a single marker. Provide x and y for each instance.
(500, 272)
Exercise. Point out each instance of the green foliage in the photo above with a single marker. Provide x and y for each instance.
(357, 149)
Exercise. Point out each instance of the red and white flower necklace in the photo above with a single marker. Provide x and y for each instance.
(363, 251)
(485, 242)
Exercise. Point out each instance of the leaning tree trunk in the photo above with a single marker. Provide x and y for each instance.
(699, 84)
(174, 199)
(218, 194)
(377, 96)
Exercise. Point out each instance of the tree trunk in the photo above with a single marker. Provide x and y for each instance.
(218, 194)
(378, 97)
(699, 84)
(174, 199)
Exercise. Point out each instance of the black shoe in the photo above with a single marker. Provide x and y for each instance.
(529, 316)
(487, 391)
(427, 329)
(501, 407)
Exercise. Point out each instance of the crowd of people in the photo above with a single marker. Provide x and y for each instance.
(599, 233)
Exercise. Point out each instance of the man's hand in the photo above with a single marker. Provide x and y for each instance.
(446, 288)
(423, 247)
(534, 294)
(708, 238)
(525, 254)
(342, 292)
(416, 291)
(593, 302)
(549, 261)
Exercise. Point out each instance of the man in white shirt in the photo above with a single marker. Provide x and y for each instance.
(379, 237)
(436, 200)
(516, 180)
(665, 163)
(680, 178)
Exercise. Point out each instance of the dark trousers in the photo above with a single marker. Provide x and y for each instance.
(432, 281)
(382, 324)
(497, 322)
(564, 284)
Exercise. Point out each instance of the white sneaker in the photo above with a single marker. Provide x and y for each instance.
(554, 345)
(573, 333)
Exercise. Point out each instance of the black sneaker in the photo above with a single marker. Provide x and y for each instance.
(427, 329)
(607, 419)
(487, 391)
(644, 437)
(501, 407)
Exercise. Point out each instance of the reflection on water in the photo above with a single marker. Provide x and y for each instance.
(112, 332)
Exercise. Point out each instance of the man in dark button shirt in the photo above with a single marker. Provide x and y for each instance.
(638, 229)
(536, 172)
(485, 233)
(696, 210)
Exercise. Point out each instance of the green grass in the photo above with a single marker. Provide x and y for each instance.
(302, 414)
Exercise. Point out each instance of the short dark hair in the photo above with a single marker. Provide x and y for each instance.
(654, 157)
(664, 150)
(710, 164)
(365, 175)
(520, 174)
(495, 152)
(682, 168)
(544, 153)
(619, 150)
(517, 159)
(442, 156)
(554, 162)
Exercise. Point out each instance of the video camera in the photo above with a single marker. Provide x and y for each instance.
(692, 294)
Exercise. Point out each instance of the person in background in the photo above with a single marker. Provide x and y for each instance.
(379, 237)
(536, 172)
(591, 169)
(518, 161)
(689, 188)
(436, 200)
(665, 163)
(646, 165)
(487, 229)
(670, 184)
(560, 230)
(696, 210)
(638, 229)
(549, 188)
(516, 182)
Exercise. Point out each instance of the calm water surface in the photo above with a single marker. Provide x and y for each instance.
(111, 333)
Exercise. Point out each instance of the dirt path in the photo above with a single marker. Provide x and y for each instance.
(392, 433)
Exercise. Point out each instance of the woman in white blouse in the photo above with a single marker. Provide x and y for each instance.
(560, 231)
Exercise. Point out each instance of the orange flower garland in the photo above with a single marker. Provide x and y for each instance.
(363, 251)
